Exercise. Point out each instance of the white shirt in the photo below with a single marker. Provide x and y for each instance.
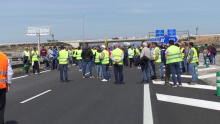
(10, 73)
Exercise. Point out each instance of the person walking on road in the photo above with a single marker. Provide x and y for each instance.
(35, 60)
(55, 60)
(193, 59)
(94, 50)
(214, 53)
(182, 52)
(125, 56)
(145, 52)
(173, 58)
(131, 55)
(70, 51)
(98, 63)
(79, 58)
(117, 57)
(43, 54)
(186, 52)
(51, 56)
(205, 54)
(157, 61)
(26, 58)
(6, 75)
(63, 57)
(87, 56)
(162, 52)
(105, 63)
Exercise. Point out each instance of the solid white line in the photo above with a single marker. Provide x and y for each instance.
(148, 117)
(189, 101)
(204, 69)
(26, 75)
(201, 76)
(35, 96)
(198, 86)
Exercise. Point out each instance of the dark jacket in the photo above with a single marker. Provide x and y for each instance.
(125, 52)
(142, 61)
(162, 52)
(87, 55)
(99, 51)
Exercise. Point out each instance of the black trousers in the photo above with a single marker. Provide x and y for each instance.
(36, 67)
(131, 62)
(118, 70)
(110, 62)
(2, 104)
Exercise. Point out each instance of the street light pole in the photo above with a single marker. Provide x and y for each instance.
(83, 31)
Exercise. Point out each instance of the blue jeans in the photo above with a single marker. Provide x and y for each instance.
(146, 72)
(210, 59)
(80, 63)
(204, 59)
(175, 70)
(51, 64)
(55, 63)
(93, 61)
(185, 65)
(161, 69)
(118, 71)
(106, 72)
(193, 72)
(84, 67)
(99, 69)
(63, 67)
(45, 61)
(213, 59)
(125, 60)
(152, 70)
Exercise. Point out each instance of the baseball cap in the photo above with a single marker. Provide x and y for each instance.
(103, 46)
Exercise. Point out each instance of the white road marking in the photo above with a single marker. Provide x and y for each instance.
(189, 101)
(201, 76)
(26, 75)
(205, 65)
(35, 96)
(87, 73)
(198, 86)
(204, 69)
(148, 117)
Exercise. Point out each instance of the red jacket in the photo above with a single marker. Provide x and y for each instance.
(109, 53)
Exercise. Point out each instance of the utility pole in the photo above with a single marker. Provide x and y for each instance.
(197, 31)
(83, 31)
(188, 36)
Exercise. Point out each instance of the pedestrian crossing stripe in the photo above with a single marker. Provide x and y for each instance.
(198, 86)
(201, 76)
(189, 101)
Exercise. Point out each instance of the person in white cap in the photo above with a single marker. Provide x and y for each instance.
(105, 63)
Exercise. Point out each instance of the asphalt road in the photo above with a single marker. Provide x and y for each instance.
(91, 101)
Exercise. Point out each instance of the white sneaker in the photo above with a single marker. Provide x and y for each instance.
(104, 80)
(80, 69)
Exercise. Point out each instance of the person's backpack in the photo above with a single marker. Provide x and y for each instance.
(214, 52)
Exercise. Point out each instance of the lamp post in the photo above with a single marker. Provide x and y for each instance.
(83, 31)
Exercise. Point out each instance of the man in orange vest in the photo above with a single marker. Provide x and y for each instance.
(6, 74)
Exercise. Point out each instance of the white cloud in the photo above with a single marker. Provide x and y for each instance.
(137, 11)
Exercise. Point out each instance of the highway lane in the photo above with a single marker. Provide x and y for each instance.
(90, 101)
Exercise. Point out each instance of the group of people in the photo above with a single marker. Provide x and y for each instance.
(209, 52)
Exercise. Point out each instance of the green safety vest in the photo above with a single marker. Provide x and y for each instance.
(27, 53)
(173, 55)
(182, 52)
(97, 57)
(63, 57)
(75, 51)
(35, 56)
(195, 56)
(106, 58)
(137, 52)
(78, 56)
(131, 52)
(116, 53)
(154, 55)
(94, 51)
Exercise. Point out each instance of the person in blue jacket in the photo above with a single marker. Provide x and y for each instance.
(163, 60)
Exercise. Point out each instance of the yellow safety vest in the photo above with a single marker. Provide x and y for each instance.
(106, 58)
(97, 57)
(75, 51)
(195, 56)
(27, 53)
(63, 57)
(35, 56)
(94, 51)
(154, 55)
(78, 56)
(182, 52)
(131, 52)
(173, 55)
(137, 52)
(116, 53)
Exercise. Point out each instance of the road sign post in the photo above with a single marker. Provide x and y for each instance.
(218, 82)
(167, 39)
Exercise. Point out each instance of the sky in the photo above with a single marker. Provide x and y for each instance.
(111, 18)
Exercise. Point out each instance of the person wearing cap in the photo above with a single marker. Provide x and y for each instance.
(79, 58)
(35, 60)
(117, 57)
(26, 58)
(105, 63)
(63, 57)
(87, 56)
(205, 54)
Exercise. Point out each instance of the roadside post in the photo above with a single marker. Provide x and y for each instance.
(218, 82)
(207, 62)
(196, 72)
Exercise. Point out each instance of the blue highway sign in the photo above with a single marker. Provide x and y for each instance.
(157, 39)
(152, 39)
(159, 33)
(167, 39)
(171, 32)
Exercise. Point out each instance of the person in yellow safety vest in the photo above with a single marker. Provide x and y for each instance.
(74, 57)
(131, 55)
(79, 58)
(71, 55)
(193, 59)
(66, 48)
(6, 75)
(93, 59)
(63, 58)
(117, 57)
(98, 63)
(105, 63)
(157, 60)
(182, 62)
(35, 60)
(26, 58)
(173, 58)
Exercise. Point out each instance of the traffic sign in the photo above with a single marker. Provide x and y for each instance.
(152, 39)
(159, 33)
(157, 39)
(167, 39)
(171, 32)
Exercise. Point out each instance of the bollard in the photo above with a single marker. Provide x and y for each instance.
(207, 62)
(218, 82)
(196, 68)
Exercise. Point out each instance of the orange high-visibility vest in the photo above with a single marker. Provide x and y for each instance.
(3, 70)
